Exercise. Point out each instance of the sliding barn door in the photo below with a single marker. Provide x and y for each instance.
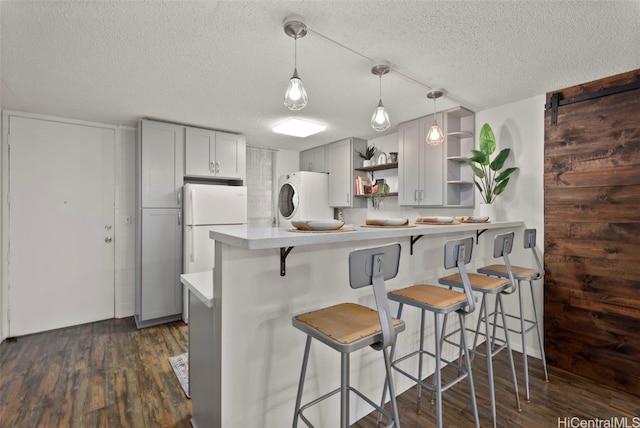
(592, 233)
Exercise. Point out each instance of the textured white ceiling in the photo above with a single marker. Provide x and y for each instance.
(225, 64)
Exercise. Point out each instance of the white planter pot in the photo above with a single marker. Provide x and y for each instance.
(486, 210)
(367, 162)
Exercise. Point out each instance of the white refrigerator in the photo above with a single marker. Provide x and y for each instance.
(207, 205)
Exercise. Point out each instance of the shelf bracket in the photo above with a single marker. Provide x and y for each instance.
(478, 233)
(284, 252)
(414, 239)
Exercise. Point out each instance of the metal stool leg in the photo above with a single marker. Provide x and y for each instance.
(392, 391)
(388, 381)
(489, 352)
(523, 336)
(344, 390)
(535, 315)
(420, 359)
(506, 337)
(472, 390)
(437, 374)
(303, 373)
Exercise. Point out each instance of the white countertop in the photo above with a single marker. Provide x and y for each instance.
(200, 284)
(255, 238)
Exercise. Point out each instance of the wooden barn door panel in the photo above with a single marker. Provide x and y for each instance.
(592, 234)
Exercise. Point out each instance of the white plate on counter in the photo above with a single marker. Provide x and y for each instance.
(328, 224)
(387, 221)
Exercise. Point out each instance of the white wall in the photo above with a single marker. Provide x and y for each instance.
(520, 126)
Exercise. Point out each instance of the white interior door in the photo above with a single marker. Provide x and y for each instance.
(61, 214)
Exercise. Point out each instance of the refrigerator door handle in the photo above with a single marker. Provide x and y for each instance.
(192, 250)
(192, 205)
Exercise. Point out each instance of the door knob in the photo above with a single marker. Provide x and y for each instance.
(107, 239)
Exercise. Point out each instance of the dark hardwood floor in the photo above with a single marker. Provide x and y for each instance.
(110, 374)
(103, 374)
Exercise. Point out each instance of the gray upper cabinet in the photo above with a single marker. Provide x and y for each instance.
(216, 154)
(314, 160)
(436, 176)
(162, 164)
(420, 165)
(342, 161)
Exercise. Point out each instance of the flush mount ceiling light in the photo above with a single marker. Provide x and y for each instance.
(299, 127)
(435, 136)
(380, 119)
(296, 97)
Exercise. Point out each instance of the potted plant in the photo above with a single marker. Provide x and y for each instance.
(489, 178)
(368, 155)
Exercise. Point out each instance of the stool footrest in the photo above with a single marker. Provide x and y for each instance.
(334, 392)
(420, 381)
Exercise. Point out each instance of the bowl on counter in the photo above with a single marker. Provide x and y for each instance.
(322, 224)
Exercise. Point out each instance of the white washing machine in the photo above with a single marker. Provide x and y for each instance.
(303, 195)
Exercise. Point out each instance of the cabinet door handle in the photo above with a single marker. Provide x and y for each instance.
(212, 167)
(217, 167)
(179, 196)
(179, 218)
(415, 195)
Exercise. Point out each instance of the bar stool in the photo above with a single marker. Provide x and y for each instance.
(348, 327)
(440, 301)
(489, 286)
(523, 274)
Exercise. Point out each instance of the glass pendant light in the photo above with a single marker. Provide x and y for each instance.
(296, 97)
(435, 136)
(380, 119)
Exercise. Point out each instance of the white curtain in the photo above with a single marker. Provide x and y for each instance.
(261, 186)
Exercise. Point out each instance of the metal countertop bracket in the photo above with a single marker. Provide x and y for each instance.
(284, 252)
(414, 239)
(478, 233)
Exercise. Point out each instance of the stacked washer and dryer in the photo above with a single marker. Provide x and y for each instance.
(303, 195)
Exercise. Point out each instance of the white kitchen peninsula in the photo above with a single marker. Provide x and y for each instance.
(253, 365)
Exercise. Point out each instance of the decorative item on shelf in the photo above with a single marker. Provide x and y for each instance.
(368, 156)
(393, 157)
(435, 137)
(381, 159)
(380, 119)
(488, 178)
(379, 191)
(296, 97)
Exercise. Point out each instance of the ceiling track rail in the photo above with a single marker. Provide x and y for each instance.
(557, 102)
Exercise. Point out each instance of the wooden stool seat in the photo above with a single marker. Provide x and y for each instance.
(430, 297)
(481, 283)
(344, 324)
(519, 273)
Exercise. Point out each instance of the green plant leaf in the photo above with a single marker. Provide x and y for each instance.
(479, 157)
(477, 171)
(501, 186)
(487, 140)
(505, 174)
(479, 187)
(498, 161)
